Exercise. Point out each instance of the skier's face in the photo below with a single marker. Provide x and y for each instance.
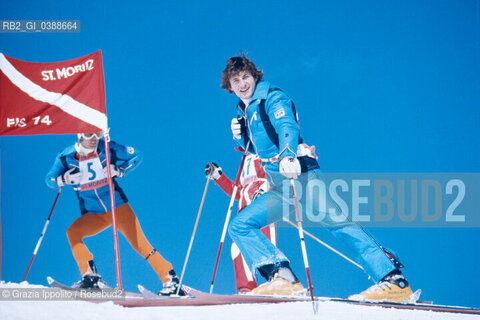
(243, 85)
(90, 142)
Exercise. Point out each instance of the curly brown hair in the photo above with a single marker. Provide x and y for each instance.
(236, 65)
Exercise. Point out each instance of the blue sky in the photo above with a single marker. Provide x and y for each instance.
(379, 86)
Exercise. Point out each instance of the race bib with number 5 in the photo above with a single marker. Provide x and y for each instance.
(93, 176)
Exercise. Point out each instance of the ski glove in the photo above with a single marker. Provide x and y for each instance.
(69, 177)
(213, 171)
(115, 171)
(290, 167)
(238, 127)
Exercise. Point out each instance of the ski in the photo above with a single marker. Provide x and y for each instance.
(426, 306)
(147, 294)
(200, 298)
(247, 298)
(56, 284)
(408, 306)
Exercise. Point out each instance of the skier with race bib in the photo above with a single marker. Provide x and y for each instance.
(269, 120)
(253, 182)
(82, 166)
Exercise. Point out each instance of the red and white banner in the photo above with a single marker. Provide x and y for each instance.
(52, 98)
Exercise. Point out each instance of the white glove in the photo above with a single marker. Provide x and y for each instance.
(69, 177)
(115, 171)
(236, 127)
(290, 167)
(213, 171)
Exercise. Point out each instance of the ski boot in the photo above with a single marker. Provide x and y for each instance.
(170, 287)
(393, 287)
(282, 281)
(90, 279)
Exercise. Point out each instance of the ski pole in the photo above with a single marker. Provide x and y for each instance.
(229, 212)
(302, 244)
(43, 234)
(193, 234)
(325, 245)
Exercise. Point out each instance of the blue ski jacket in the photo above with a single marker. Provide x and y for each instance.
(93, 191)
(272, 126)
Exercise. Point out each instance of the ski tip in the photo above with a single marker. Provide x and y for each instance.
(315, 307)
(50, 280)
(414, 297)
(103, 285)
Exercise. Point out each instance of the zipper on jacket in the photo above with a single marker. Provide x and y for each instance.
(249, 130)
(101, 202)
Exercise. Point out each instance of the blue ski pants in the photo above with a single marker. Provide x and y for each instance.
(314, 200)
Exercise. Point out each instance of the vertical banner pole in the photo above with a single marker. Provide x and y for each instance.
(112, 204)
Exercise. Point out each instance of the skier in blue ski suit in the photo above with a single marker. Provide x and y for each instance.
(267, 117)
(83, 166)
(96, 200)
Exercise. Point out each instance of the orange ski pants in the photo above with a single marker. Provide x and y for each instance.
(91, 224)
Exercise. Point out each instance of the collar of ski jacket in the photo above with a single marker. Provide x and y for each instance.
(260, 93)
(78, 152)
(82, 150)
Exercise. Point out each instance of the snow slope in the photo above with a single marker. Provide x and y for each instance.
(73, 310)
